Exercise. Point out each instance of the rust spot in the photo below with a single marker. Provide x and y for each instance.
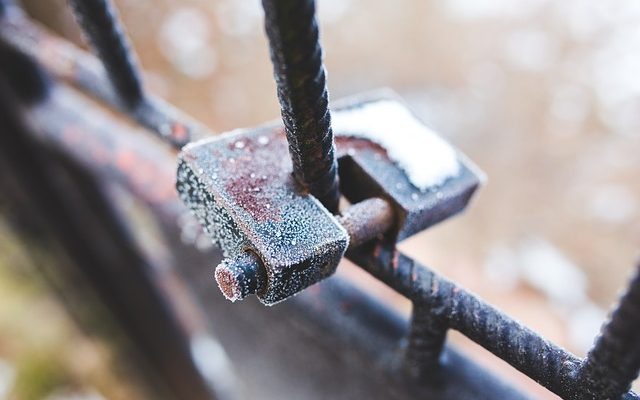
(179, 132)
(228, 284)
(253, 166)
(248, 192)
(349, 145)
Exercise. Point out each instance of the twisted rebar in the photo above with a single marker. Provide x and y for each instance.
(425, 342)
(613, 363)
(100, 22)
(300, 76)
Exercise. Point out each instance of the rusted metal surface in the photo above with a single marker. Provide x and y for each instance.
(245, 274)
(241, 276)
(367, 220)
(241, 188)
(113, 151)
(292, 30)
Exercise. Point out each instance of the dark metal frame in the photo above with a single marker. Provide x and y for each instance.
(358, 334)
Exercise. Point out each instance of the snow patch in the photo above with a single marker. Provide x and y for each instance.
(427, 159)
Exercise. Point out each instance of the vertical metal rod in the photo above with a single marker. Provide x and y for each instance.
(614, 362)
(426, 341)
(302, 91)
(99, 20)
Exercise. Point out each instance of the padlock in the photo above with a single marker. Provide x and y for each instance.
(240, 187)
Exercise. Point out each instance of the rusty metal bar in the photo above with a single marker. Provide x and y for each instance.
(613, 363)
(425, 343)
(367, 220)
(302, 91)
(100, 22)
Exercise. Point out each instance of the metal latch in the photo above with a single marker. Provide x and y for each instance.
(278, 239)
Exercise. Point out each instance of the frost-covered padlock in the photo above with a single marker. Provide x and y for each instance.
(240, 187)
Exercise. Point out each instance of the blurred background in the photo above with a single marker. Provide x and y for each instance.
(544, 96)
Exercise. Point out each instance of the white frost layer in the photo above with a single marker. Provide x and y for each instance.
(426, 158)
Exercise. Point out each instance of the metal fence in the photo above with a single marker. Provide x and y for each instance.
(61, 153)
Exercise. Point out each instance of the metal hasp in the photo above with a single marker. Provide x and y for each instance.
(241, 188)
(367, 171)
(277, 238)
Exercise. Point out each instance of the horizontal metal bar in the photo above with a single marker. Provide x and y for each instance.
(367, 220)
